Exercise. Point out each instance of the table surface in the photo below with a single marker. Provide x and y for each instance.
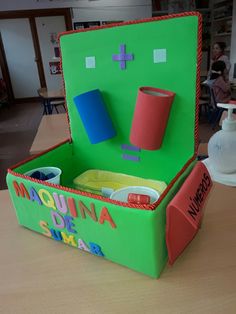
(40, 275)
(48, 94)
(53, 129)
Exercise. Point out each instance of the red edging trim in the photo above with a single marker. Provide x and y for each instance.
(196, 130)
(99, 197)
(198, 88)
(159, 18)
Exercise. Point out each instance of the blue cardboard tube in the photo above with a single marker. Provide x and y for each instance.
(94, 116)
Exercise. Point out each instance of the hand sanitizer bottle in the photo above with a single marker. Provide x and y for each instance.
(222, 145)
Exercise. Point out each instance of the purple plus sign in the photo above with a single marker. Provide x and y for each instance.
(123, 57)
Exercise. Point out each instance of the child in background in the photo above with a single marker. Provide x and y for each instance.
(219, 82)
(218, 54)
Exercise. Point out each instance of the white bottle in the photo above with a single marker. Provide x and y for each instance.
(222, 145)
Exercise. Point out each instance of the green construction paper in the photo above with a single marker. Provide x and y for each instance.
(119, 89)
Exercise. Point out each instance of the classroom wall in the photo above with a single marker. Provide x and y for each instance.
(83, 11)
(87, 10)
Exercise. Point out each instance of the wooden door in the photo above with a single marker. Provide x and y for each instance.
(21, 61)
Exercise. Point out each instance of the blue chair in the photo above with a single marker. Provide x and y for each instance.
(50, 103)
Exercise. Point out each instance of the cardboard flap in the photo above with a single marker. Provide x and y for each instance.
(184, 212)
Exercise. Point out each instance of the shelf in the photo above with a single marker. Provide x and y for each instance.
(222, 34)
(223, 19)
(164, 12)
(203, 10)
(223, 8)
(222, 3)
(160, 12)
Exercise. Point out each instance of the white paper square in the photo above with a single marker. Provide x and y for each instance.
(159, 55)
(90, 62)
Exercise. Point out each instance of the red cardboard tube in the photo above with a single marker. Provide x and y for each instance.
(150, 117)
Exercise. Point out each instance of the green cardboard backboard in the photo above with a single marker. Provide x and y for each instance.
(175, 42)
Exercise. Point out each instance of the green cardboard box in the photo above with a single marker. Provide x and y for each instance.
(163, 53)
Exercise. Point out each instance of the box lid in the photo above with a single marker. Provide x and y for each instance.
(117, 60)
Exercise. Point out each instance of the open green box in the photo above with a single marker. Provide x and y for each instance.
(128, 234)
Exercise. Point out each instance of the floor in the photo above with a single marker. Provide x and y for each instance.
(18, 127)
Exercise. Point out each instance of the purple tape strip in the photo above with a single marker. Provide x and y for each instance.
(116, 57)
(122, 49)
(123, 57)
(130, 157)
(130, 147)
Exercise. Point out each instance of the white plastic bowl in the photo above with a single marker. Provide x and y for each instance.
(46, 170)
